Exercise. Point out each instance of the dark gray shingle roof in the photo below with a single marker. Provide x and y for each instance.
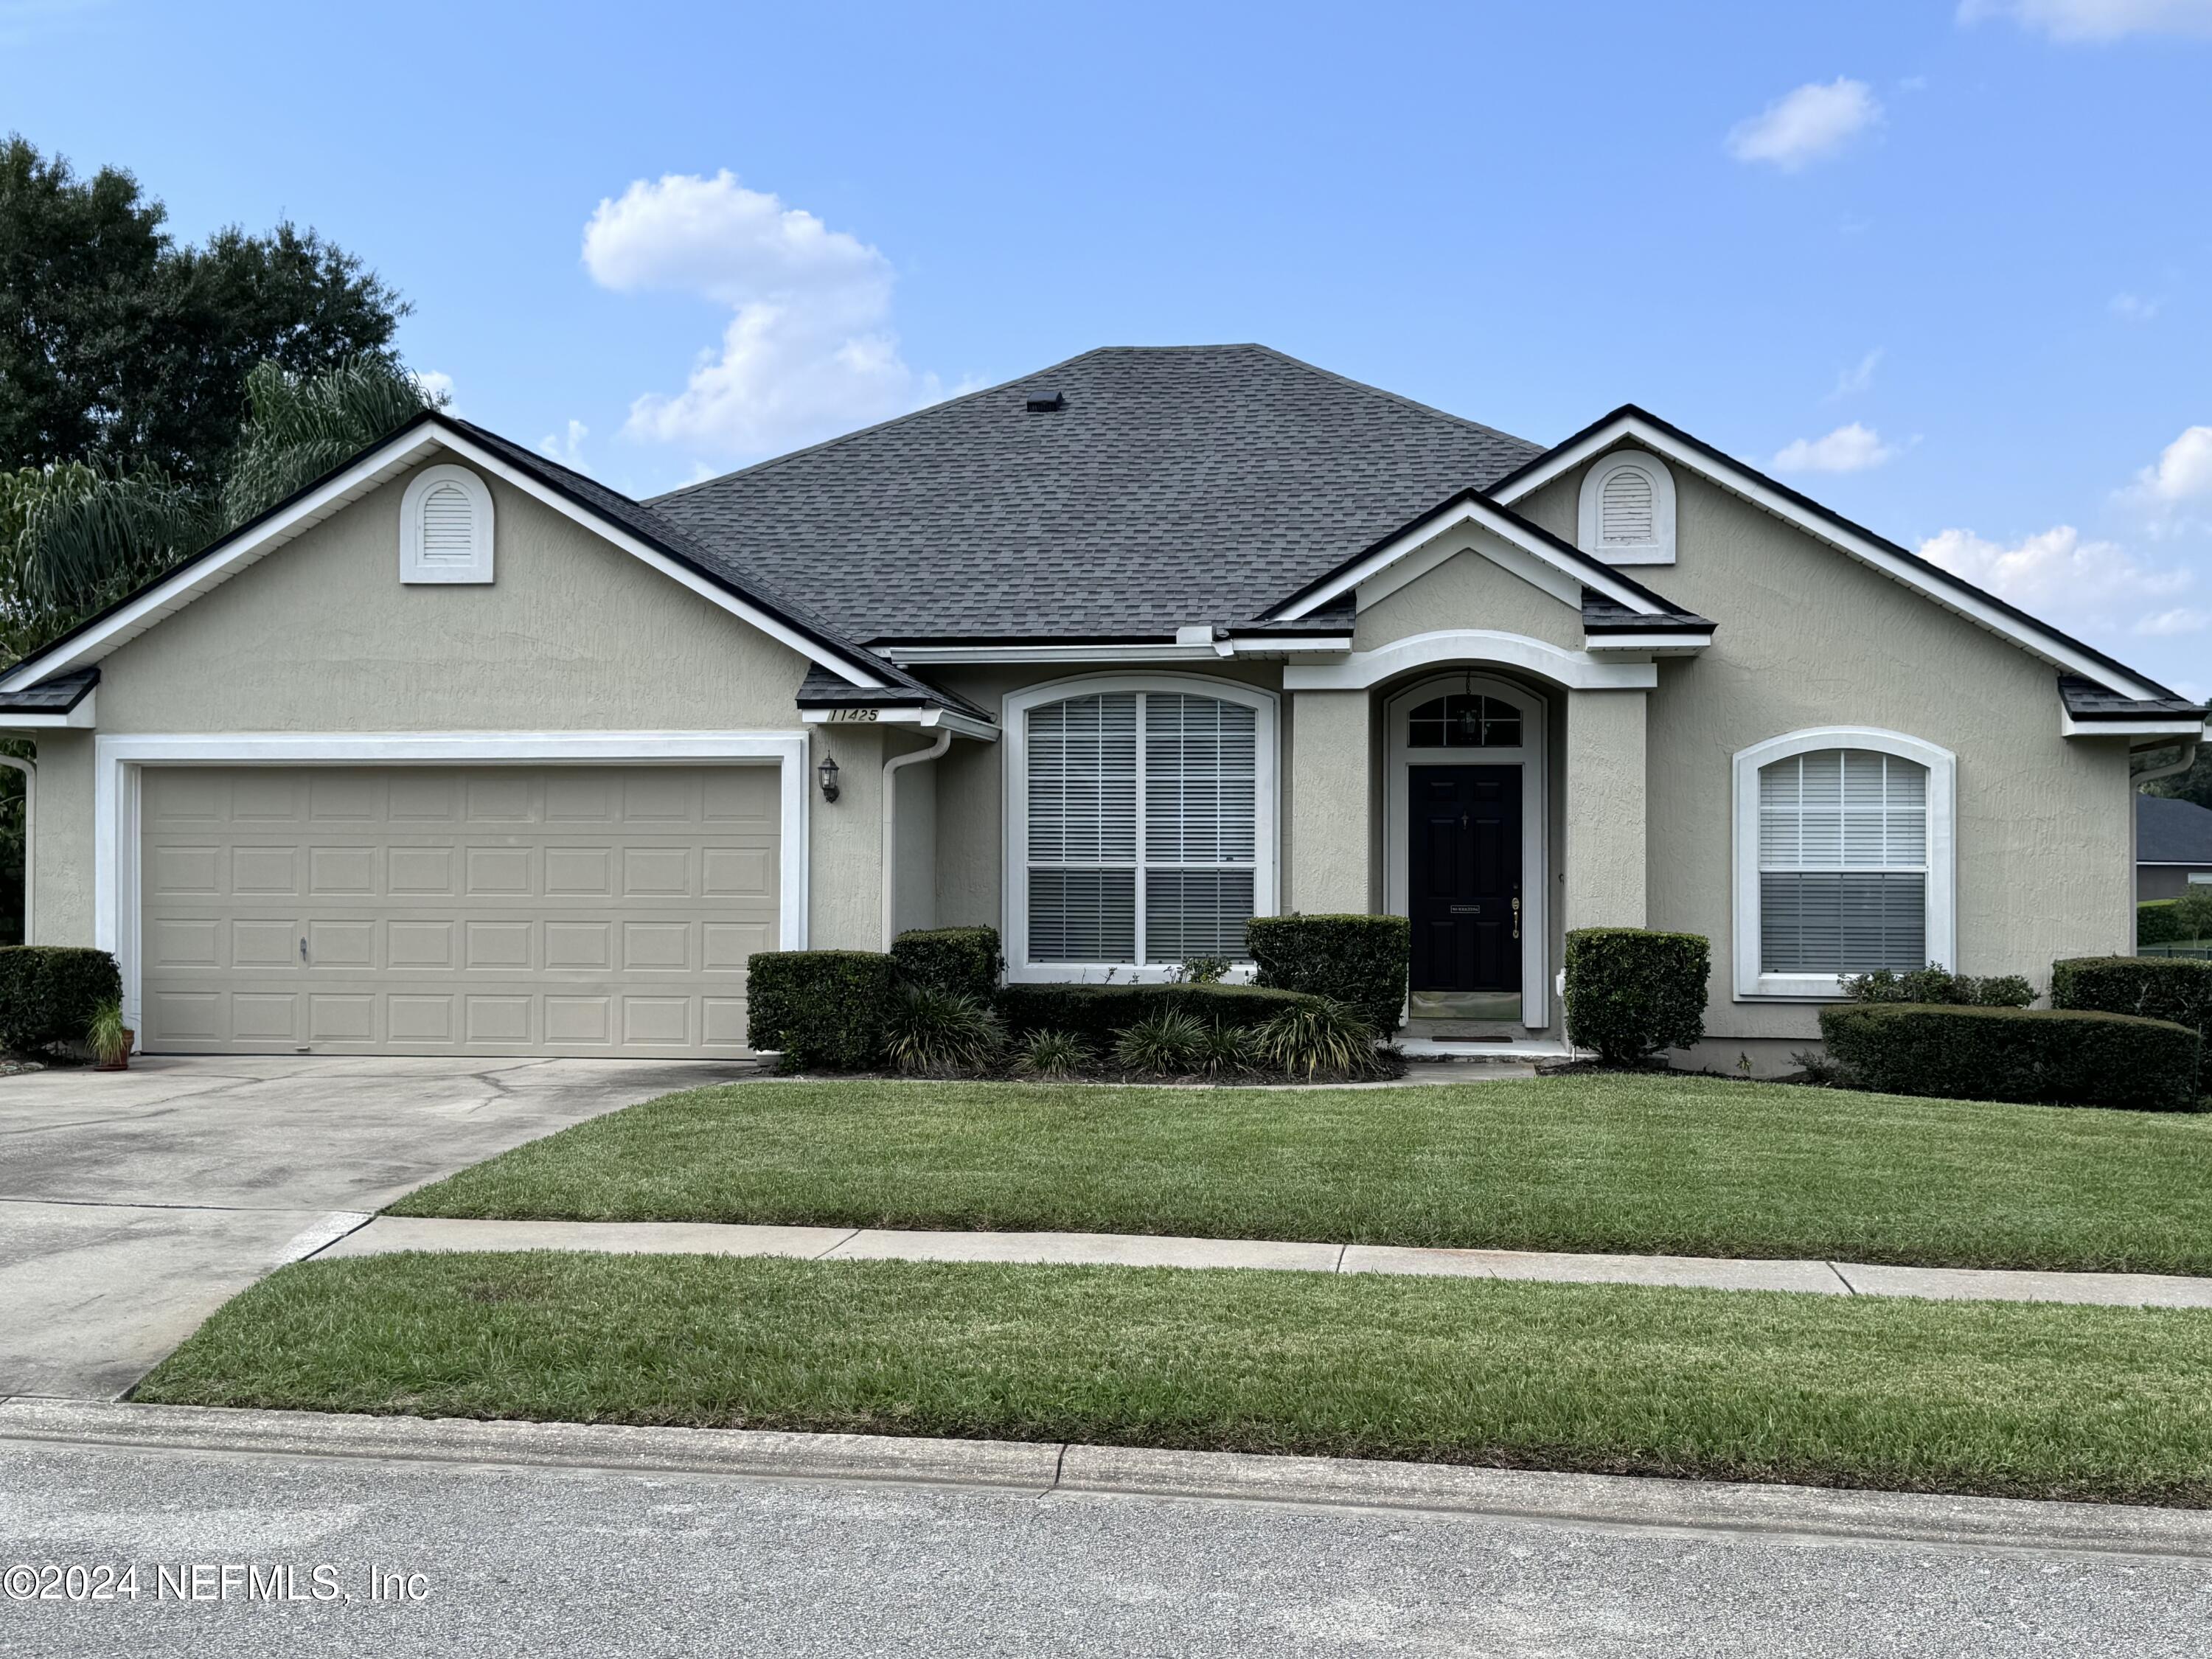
(1178, 485)
(56, 695)
(2169, 831)
(2086, 700)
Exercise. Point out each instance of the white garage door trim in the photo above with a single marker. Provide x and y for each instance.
(117, 762)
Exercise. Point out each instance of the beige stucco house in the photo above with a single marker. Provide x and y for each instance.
(459, 751)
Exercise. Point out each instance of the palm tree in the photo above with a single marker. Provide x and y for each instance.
(300, 427)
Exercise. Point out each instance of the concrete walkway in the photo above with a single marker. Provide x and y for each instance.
(387, 1234)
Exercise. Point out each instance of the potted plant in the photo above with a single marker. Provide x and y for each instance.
(109, 1037)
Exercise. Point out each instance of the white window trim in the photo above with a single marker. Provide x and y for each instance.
(120, 762)
(413, 568)
(1660, 550)
(1751, 985)
(1014, 720)
(1535, 817)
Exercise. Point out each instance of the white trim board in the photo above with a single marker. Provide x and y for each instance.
(118, 762)
(1014, 867)
(1400, 758)
(395, 455)
(868, 714)
(1140, 652)
(1976, 607)
(1943, 935)
(51, 719)
(1482, 514)
(1576, 670)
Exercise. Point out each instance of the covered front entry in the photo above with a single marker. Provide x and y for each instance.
(1464, 875)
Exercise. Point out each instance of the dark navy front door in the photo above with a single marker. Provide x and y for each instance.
(1464, 877)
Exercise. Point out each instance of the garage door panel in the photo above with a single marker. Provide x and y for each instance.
(588, 910)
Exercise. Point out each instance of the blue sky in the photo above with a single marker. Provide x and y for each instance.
(1948, 267)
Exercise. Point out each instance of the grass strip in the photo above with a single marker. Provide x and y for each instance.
(2022, 1400)
(1693, 1166)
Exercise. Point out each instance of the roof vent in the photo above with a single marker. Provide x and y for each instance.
(1050, 403)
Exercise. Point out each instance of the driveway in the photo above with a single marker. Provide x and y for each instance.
(134, 1204)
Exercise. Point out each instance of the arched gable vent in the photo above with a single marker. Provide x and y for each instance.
(445, 527)
(1628, 510)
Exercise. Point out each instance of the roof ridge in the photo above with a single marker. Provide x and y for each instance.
(874, 427)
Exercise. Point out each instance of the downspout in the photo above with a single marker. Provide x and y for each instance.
(890, 824)
(2136, 779)
(30, 771)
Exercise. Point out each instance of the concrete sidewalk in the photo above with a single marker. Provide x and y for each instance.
(387, 1234)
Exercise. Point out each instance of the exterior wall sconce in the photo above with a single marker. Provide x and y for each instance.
(828, 773)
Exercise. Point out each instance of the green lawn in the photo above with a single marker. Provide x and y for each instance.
(2016, 1398)
(1638, 1164)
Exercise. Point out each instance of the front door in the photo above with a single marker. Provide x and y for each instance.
(1464, 871)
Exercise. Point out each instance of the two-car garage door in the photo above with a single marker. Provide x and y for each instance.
(494, 910)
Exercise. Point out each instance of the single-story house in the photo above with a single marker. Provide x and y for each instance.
(2173, 846)
(459, 751)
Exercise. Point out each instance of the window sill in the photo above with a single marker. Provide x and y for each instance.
(1095, 973)
(1793, 987)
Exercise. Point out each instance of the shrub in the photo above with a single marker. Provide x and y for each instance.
(1099, 1013)
(820, 1009)
(1631, 992)
(1053, 1055)
(50, 993)
(2192, 913)
(1226, 1050)
(963, 961)
(2059, 1056)
(1932, 985)
(1168, 1042)
(2175, 989)
(2155, 923)
(1200, 971)
(1321, 1039)
(1360, 961)
(929, 1032)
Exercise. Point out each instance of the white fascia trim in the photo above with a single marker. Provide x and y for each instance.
(1014, 865)
(1974, 607)
(965, 725)
(79, 718)
(1278, 645)
(2151, 726)
(1576, 670)
(1486, 517)
(1942, 938)
(1076, 655)
(1657, 645)
(394, 457)
(119, 763)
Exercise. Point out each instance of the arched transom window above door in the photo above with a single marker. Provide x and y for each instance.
(1463, 719)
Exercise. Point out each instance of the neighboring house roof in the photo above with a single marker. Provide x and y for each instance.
(2169, 831)
(1173, 486)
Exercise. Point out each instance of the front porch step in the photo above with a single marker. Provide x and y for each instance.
(1518, 1051)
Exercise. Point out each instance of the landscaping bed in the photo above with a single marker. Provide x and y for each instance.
(2017, 1399)
(1633, 1164)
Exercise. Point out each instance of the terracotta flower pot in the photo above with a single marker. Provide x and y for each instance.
(122, 1061)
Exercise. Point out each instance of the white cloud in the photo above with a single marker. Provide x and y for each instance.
(438, 386)
(2182, 472)
(1813, 121)
(1850, 448)
(2133, 307)
(566, 448)
(2096, 20)
(809, 352)
(1857, 378)
(2182, 619)
(2087, 587)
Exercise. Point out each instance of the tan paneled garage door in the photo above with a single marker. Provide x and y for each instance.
(492, 909)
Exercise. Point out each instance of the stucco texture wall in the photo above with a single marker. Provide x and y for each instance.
(573, 635)
(1469, 591)
(1808, 637)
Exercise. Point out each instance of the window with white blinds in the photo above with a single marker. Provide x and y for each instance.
(1143, 827)
(1842, 863)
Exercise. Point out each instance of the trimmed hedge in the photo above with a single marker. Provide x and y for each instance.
(1100, 1013)
(2058, 1056)
(2155, 923)
(48, 993)
(1632, 992)
(962, 961)
(822, 1010)
(1933, 984)
(1360, 960)
(2173, 988)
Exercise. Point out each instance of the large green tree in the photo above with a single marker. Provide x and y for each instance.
(2195, 784)
(121, 346)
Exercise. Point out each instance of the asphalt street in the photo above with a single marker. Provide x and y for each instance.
(574, 1561)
